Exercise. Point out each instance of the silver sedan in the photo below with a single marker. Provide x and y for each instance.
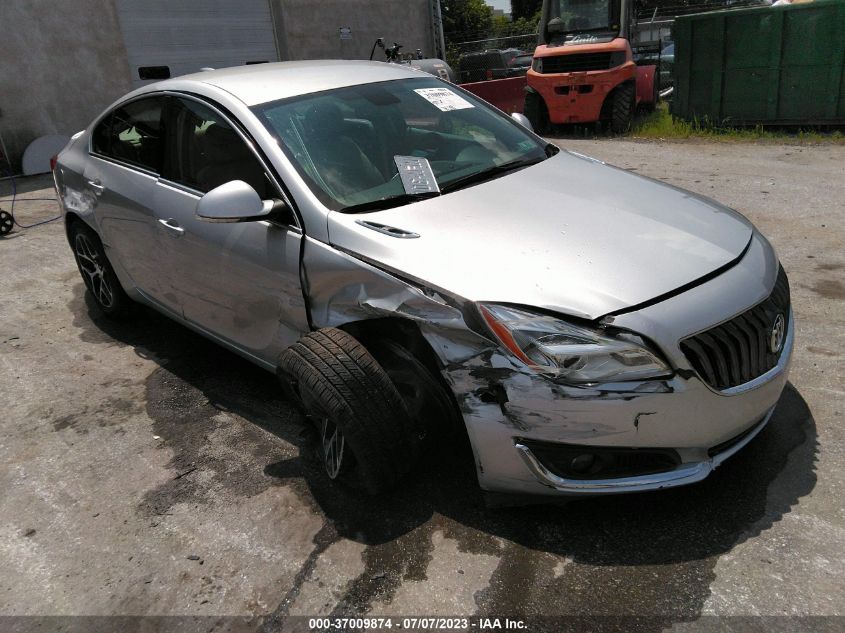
(416, 265)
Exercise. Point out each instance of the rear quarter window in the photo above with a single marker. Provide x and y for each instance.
(101, 138)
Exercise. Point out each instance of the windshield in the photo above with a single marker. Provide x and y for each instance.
(343, 142)
(575, 16)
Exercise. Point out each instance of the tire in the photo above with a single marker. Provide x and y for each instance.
(356, 408)
(537, 113)
(99, 277)
(431, 408)
(623, 108)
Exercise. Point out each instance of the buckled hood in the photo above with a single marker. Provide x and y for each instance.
(569, 234)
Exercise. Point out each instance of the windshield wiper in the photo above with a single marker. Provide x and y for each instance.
(388, 202)
(489, 173)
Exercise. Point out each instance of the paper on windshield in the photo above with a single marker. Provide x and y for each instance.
(444, 99)
(416, 174)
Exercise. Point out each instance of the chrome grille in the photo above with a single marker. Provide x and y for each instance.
(737, 351)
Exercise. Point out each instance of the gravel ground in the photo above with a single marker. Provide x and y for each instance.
(146, 471)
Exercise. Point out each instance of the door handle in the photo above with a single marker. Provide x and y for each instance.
(173, 226)
(96, 186)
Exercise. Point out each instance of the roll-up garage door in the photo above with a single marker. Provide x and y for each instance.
(175, 37)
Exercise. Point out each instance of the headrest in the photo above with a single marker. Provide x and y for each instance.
(323, 119)
(221, 144)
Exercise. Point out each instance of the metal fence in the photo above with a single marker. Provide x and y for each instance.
(682, 7)
(490, 58)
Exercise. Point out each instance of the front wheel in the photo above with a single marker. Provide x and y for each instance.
(432, 411)
(97, 272)
(366, 434)
(623, 108)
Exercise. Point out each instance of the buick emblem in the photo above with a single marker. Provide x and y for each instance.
(777, 334)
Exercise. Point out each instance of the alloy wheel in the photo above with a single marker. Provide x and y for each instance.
(94, 269)
(333, 447)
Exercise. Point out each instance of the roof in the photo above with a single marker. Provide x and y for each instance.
(261, 83)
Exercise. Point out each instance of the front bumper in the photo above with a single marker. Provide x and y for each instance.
(684, 474)
(509, 411)
(507, 464)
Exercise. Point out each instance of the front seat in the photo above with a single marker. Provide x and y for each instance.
(226, 158)
(341, 164)
(392, 131)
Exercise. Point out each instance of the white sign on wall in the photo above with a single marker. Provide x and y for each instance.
(345, 32)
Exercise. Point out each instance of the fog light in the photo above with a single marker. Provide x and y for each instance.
(582, 463)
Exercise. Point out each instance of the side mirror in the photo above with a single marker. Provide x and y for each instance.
(235, 201)
(522, 120)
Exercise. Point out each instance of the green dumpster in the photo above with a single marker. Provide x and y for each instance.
(780, 65)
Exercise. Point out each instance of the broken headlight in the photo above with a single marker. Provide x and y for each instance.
(572, 353)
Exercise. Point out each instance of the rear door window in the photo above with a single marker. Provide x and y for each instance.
(133, 134)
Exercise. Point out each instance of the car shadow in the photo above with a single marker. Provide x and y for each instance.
(650, 554)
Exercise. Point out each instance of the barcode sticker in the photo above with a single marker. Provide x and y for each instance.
(444, 99)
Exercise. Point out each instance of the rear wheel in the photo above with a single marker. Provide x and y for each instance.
(97, 273)
(537, 113)
(366, 435)
(622, 108)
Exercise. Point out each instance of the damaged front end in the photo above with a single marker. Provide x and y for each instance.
(540, 421)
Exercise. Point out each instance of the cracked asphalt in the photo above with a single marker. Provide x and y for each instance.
(147, 472)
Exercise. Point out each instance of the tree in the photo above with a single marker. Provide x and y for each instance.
(525, 9)
(466, 19)
(502, 27)
(527, 25)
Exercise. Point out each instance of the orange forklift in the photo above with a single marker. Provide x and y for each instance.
(584, 69)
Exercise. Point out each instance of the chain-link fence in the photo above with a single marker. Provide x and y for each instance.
(475, 58)
(682, 7)
(491, 58)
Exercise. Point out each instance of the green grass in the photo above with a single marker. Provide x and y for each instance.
(660, 125)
